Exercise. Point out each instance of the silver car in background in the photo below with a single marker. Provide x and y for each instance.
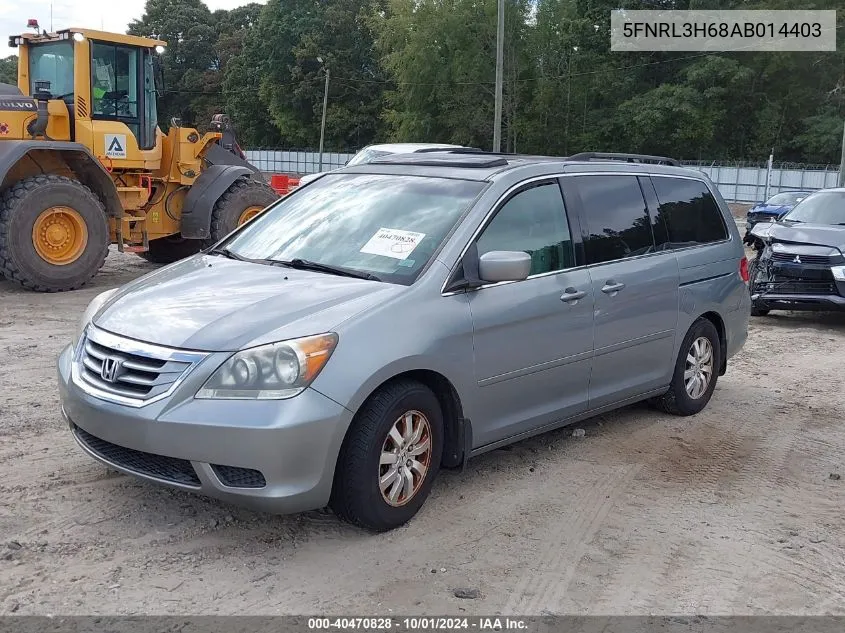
(401, 316)
(372, 152)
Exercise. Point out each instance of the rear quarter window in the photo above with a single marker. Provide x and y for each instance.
(689, 211)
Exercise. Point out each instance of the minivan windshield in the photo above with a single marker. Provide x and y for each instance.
(387, 226)
(825, 207)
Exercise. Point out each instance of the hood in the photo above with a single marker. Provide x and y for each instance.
(773, 209)
(811, 234)
(210, 303)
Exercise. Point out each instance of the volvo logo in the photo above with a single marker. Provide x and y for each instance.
(797, 260)
(111, 369)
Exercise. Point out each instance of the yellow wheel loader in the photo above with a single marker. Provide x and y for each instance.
(83, 163)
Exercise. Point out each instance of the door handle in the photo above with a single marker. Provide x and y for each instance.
(571, 295)
(611, 287)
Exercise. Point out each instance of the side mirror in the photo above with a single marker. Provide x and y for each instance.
(497, 266)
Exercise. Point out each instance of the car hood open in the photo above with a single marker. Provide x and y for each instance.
(211, 303)
(812, 234)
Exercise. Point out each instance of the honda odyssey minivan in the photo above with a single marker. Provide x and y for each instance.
(399, 317)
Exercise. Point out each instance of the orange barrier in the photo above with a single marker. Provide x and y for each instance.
(283, 184)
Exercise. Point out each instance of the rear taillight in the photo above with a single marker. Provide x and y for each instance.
(743, 269)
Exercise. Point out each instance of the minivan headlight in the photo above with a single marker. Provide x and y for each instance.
(271, 372)
(92, 309)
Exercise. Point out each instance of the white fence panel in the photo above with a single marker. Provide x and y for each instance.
(735, 183)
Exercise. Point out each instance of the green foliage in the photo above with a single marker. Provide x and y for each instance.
(9, 70)
(424, 70)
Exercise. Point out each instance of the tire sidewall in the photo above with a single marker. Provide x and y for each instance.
(701, 327)
(240, 196)
(419, 398)
(23, 214)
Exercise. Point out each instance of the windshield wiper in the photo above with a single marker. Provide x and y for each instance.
(225, 252)
(305, 264)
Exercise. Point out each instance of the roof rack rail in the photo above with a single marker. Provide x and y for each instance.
(631, 158)
(451, 150)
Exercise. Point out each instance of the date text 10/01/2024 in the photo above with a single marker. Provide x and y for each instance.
(419, 624)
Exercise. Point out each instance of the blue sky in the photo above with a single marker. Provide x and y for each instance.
(108, 15)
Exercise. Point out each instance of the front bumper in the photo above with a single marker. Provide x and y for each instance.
(799, 302)
(273, 456)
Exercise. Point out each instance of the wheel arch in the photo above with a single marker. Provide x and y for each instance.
(457, 429)
(207, 189)
(22, 159)
(719, 323)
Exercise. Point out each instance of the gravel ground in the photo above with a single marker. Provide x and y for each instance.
(735, 511)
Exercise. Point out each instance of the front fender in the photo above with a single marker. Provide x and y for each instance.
(202, 196)
(79, 158)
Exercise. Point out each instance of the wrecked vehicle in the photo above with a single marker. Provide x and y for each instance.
(800, 263)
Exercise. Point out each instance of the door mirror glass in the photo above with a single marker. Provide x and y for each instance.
(496, 266)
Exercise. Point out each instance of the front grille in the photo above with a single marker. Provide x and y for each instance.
(788, 286)
(178, 471)
(137, 376)
(234, 477)
(822, 260)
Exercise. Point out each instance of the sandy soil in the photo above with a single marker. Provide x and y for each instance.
(734, 511)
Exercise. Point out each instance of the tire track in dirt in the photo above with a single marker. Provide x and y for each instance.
(542, 584)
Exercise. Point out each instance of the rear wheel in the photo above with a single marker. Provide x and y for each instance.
(390, 457)
(166, 250)
(54, 234)
(243, 200)
(696, 371)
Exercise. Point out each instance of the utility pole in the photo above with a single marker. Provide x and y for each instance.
(500, 55)
(842, 161)
(323, 124)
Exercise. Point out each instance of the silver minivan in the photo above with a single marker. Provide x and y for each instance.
(394, 318)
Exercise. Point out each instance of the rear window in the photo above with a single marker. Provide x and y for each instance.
(690, 212)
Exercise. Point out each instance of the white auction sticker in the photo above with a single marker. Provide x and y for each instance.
(394, 243)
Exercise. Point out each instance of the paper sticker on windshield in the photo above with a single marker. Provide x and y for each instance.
(394, 243)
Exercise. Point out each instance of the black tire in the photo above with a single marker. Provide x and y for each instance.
(676, 400)
(166, 250)
(356, 495)
(240, 196)
(21, 205)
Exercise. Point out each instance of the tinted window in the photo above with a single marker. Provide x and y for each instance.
(616, 218)
(388, 226)
(690, 212)
(533, 221)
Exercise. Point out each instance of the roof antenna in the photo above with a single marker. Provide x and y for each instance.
(51, 17)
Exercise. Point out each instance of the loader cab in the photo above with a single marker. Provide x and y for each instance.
(108, 83)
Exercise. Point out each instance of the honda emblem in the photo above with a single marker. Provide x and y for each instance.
(111, 368)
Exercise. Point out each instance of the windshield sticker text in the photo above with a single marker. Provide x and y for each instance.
(394, 243)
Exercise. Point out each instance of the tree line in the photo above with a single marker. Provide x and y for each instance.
(424, 70)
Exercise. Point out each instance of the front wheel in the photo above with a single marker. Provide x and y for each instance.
(243, 200)
(54, 234)
(389, 458)
(696, 371)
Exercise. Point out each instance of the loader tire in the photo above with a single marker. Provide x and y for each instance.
(54, 235)
(166, 250)
(243, 200)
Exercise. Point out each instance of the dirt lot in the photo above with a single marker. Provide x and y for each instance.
(736, 510)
